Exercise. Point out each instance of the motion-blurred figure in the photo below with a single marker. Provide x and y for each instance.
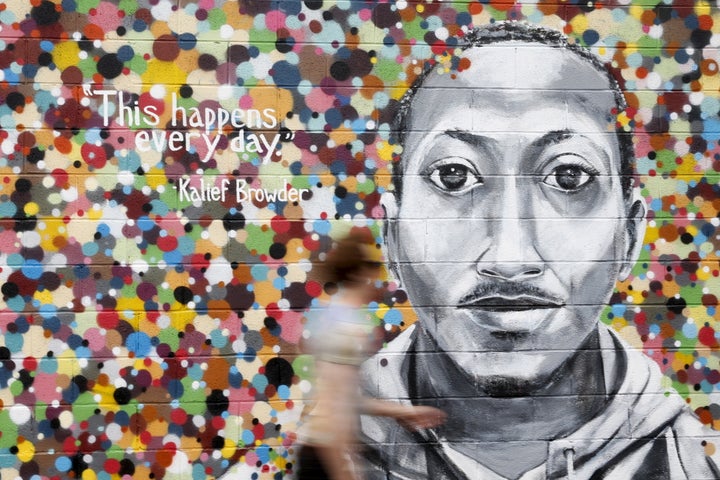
(342, 338)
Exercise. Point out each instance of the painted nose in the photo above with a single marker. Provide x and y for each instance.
(510, 271)
(510, 252)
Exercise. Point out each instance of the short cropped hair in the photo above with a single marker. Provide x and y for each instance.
(501, 32)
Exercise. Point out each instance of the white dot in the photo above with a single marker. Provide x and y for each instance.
(20, 414)
(157, 91)
(226, 31)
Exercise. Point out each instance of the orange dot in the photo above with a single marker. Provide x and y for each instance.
(501, 5)
(648, 17)
(63, 145)
(94, 32)
(705, 22)
(475, 8)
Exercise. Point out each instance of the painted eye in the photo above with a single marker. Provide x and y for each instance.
(569, 178)
(454, 175)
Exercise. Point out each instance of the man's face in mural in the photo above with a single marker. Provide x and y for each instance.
(512, 226)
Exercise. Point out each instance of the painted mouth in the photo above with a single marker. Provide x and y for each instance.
(519, 303)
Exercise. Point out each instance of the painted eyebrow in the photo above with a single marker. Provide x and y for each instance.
(549, 138)
(552, 137)
(473, 139)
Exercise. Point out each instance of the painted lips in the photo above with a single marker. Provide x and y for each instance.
(510, 311)
(517, 303)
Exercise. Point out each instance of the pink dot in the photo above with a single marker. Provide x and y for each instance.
(246, 101)
(274, 20)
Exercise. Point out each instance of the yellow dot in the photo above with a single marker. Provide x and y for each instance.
(420, 8)
(31, 208)
(89, 474)
(26, 451)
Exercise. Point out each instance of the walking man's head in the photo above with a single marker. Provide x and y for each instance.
(514, 211)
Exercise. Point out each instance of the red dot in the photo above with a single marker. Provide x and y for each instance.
(314, 289)
(112, 466)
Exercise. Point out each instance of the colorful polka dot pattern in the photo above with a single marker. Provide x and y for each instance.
(146, 335)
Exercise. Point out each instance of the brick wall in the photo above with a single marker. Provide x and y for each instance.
(172, 173)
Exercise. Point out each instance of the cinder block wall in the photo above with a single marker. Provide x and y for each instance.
(171, 173)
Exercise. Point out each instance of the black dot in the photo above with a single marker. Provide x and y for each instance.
(183, 294)
(15, 100)
(207, 62)
(35, 155)
(109, 66)
(217, 403)
(23, 185)
(10, 289)
(186, 91)
(284, 45)
(85, 44)
(233, 221)
(676, 305)
(218, 442)
(44, 59)
(45, 14)
(122, 396)
(279, 372)
(340, 71)
(270, 323)
(313, 4)
(277, 251)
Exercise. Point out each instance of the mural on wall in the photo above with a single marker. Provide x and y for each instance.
(173, 171)
(519, 138)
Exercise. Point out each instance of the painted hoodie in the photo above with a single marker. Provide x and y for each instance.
(644, 432)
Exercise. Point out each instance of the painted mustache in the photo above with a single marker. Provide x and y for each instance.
(507, 296)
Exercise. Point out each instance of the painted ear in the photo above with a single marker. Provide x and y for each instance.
(388, 201)
(634, 234)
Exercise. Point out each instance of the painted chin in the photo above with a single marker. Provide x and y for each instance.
(515, 373)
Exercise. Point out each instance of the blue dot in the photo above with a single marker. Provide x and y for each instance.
(139, 343)
(590, 37)
(187, 41)
(125, 53)
(32, 269)
(63, 464)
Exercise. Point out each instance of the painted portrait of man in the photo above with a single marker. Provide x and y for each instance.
(513, 216)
